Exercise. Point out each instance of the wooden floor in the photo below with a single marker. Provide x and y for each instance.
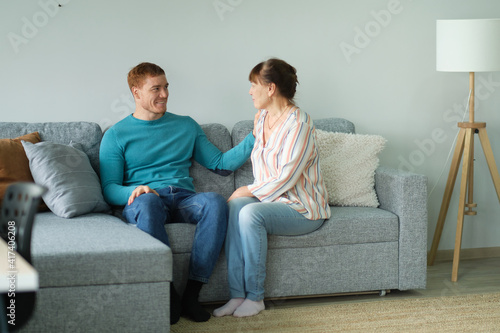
(476, 276)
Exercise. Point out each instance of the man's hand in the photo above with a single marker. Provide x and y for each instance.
(241, 192)
(140, 190)
(255, 121)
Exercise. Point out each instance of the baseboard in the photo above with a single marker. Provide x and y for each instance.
(475, 253)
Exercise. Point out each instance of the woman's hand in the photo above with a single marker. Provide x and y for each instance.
(140, 190)
(241, 192)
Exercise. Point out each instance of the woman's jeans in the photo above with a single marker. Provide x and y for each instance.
(246, 244)
(208, 211)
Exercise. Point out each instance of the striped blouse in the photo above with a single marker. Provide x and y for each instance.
(286, 169)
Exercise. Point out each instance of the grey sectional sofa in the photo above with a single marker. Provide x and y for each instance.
(99, 274)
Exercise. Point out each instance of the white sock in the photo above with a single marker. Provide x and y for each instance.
(229, 307)
(249, 308)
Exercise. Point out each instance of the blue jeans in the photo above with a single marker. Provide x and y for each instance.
(246, 243)
(208, 211)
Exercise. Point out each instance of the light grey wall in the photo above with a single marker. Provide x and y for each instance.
(371, 61)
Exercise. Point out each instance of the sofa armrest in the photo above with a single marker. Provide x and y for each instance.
(405, 194)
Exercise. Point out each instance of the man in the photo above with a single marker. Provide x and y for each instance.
(144, 165)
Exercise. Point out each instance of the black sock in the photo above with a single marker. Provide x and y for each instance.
(175, 305)
(190, 305)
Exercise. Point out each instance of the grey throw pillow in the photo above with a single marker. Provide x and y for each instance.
(73, 186)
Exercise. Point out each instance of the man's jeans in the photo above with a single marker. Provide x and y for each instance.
(246, 244)
(208, 211)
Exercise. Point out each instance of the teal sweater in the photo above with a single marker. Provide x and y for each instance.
(158, 154)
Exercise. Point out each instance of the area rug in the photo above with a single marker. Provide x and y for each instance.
(469, 313)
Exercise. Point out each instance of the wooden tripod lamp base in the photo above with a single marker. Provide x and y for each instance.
(465, 147)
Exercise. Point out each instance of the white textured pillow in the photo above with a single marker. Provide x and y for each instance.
(73, 186)
(348, 163)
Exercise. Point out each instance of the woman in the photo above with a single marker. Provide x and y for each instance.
(288, 196)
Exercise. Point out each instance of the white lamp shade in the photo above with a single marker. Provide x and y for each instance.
(468, 45)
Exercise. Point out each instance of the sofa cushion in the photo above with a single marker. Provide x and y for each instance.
(205, 180)
(86, 133)
(96, 249)
(347, 225)
(14, 165)
(348, 162)
(334, 125)
(73, 186)
(244, 175)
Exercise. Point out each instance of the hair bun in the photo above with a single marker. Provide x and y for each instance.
(279, 72)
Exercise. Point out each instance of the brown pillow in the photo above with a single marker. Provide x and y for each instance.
(14, 165)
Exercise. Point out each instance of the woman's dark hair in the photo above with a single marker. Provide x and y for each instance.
(276, 71)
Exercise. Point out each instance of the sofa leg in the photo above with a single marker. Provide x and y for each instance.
(382, 293)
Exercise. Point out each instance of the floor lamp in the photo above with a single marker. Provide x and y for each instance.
(466, 46)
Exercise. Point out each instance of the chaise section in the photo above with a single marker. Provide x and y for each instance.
(98, 254)
(96, 249)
